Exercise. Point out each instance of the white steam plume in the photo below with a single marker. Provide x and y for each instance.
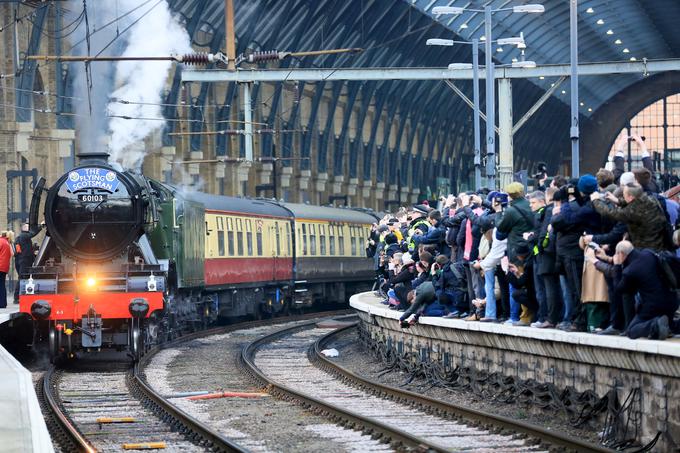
(141, 82)
(153, 31)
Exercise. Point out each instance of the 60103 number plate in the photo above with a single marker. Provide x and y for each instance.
(92, 198)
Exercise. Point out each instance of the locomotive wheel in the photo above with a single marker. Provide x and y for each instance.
(54, 343)
(136, 339)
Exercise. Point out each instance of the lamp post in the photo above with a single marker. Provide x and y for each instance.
(490, 92)
(574, 130)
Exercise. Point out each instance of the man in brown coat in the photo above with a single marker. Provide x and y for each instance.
(643, 215)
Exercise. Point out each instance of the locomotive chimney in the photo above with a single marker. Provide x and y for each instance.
(98, 155)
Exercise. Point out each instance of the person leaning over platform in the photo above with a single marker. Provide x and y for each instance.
(656, 304)
(419, 298)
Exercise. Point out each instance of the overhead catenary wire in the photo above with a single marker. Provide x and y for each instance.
(77, 43)
(12, 106)
(238, 132)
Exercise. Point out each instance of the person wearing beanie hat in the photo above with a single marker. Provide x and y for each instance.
(515, 190)
(587, 184)
(517, 220)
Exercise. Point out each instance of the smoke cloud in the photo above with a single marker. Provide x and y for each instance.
(130, 89)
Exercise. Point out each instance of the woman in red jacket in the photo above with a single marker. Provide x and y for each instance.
(6, 253)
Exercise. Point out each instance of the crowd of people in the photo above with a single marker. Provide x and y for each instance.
(595, 254)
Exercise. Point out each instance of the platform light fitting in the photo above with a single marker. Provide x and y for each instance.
(600, 22)
(590, 10)
(513, 41)
(528, 64)
(455, 66)
(447, 10)
(439, 42)
(610, 32)
(528, 9)
(618, 41)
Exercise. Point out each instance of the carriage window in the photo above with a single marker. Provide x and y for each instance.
(220, 223)
(278, 239)
(249, 242)
(290, 243)
(258, 238)
(322, 239)
(239, 242)
(312, 239)
(230, 242)
(341, 245)
(304, 239)
(331, 240)
(354, 249)
(220, 243)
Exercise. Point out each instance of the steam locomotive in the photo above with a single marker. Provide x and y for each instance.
(127, 261)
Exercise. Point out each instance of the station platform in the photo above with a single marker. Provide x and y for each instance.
(22, 426)
(9, 312)
(582, 361)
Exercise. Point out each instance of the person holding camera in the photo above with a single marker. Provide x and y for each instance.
(643, 216)
(516, 220)
(436, 235)
(490, 265)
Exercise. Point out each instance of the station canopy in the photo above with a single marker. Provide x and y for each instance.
(393, 34)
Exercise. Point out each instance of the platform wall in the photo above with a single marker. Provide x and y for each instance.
(565, 359)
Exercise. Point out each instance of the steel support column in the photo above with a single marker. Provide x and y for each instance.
(505, 128)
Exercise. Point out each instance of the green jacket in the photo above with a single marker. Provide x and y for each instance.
(644, 218)
(517, 220)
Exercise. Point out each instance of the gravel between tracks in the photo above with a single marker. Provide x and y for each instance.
(285, 361)
(262, 424)
(355, 358)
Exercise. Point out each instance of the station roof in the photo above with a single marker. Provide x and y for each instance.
(393, 34)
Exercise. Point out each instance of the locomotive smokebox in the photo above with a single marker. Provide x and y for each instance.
(94, 212)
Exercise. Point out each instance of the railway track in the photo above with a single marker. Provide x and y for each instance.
(109, 409)
(109, 406)
(289, 363)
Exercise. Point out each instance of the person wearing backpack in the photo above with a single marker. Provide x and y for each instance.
(657, 303)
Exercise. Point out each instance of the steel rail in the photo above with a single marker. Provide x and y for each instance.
(67, 427)
(422, 401)
(347, 418)
(141, 390)
(211, 438)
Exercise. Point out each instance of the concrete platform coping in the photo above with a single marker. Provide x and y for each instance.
(22, 427)
(370, 303)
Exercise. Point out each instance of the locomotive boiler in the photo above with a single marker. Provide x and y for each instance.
(127, 261)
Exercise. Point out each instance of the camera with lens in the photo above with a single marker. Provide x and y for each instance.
(541, 171)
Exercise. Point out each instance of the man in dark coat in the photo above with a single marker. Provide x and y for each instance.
(23, 257)
(642, 214)
(517, 218)
(657, 303)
